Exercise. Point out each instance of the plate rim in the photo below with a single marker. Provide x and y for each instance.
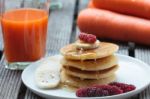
(109, 97)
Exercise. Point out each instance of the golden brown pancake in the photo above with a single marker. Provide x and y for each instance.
(92, 65)
(77, 82)
(105, 49)
(90, 74)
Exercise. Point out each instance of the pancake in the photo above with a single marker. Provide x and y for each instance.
(105, 49)
(90, 74)
(92, 65)
(77, 82)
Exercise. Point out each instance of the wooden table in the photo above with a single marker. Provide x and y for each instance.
(62, 30)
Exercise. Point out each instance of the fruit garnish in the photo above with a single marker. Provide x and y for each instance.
(98, 91)
(47, 75)
(86, 46)
(124, 87)
(88, 38)
(105, 90)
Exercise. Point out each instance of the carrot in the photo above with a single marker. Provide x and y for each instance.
(110, 25)
(140, 8)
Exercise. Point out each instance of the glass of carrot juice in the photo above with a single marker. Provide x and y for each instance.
(24, 27)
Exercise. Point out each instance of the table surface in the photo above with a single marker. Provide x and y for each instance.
(62, 30)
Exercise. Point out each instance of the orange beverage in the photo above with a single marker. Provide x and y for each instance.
(24, 33)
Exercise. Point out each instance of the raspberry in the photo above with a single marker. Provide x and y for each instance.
(98, 91)
(101, 92)
(89, 38)
(82, 92)
(113, 90)
(123, 87)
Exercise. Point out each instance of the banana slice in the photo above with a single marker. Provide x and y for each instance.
(47, 75)
(82, 45)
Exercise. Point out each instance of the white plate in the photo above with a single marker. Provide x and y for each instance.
(131, 71)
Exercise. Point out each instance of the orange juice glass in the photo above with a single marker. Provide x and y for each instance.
(24, 34)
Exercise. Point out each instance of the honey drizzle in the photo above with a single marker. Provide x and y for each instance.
(67, 87)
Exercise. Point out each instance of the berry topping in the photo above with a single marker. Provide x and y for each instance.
(89, 38)
(104, 90)
(113, 90)
(98, 91)
(123, 87)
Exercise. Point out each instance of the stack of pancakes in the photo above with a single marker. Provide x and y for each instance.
(81, 68)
